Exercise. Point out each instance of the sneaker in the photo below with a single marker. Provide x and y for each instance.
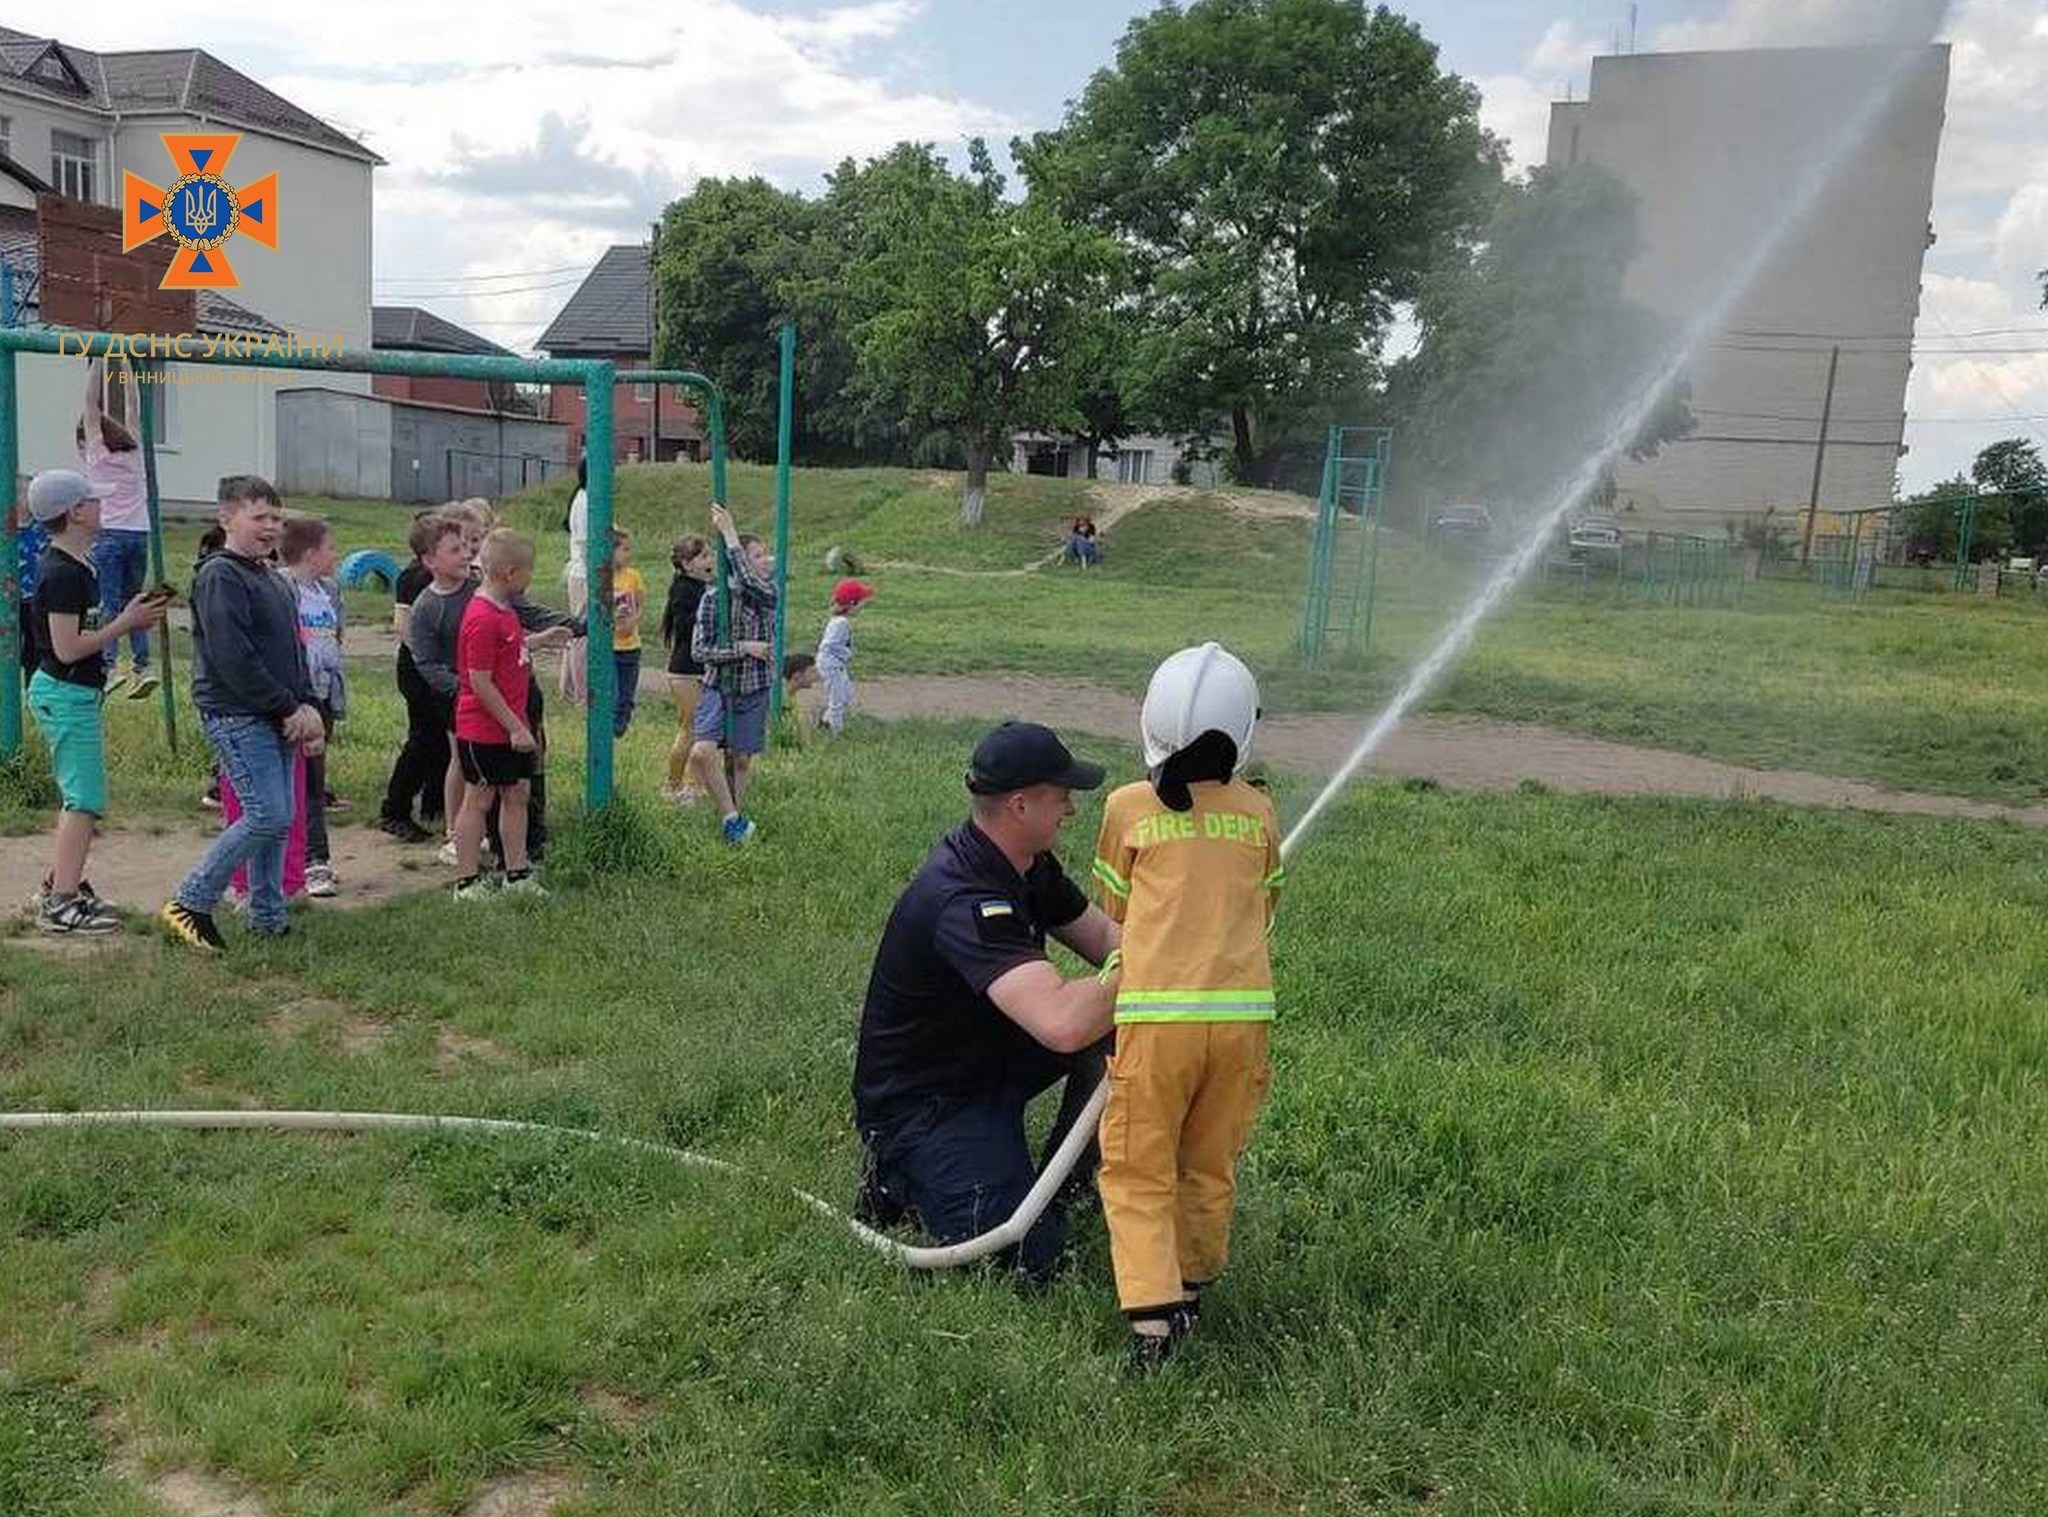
(405, 829)
(738, 831)
(320, 881)
(118, 682)
(68, 914)
(210, 797)
(142, 685)
(527, 884)
(1149, 1352)
(478, 887)
(446, 854)
(40, 896)
(195, 929)
(338, 803)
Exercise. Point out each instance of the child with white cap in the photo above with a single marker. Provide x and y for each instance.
(1189, 864)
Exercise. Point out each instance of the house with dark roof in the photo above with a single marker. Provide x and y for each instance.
(410, 329)
(74, 121)
(611, 315)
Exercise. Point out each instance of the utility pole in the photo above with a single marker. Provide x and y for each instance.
(653, 346)
(1820, 455)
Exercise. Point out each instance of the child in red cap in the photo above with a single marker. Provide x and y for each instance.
(835, 652)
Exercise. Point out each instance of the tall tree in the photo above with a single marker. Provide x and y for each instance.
(1932, 521)
(1108, 414)
(1530, 347)
(966, 312)
(738, 256)
(1284, 172)
(730, 253)
(2014, 469)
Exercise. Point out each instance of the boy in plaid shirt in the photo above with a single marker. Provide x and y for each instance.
(738, 674)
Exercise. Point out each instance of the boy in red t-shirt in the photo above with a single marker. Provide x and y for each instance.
(492, 741)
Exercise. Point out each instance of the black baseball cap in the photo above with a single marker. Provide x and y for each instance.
(1018, 755)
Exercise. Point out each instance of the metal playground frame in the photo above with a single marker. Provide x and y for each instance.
(598, 378)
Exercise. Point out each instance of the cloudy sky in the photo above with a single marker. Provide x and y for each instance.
(525, 136)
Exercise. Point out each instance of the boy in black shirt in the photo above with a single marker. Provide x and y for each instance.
(69, 685)
(422, 763)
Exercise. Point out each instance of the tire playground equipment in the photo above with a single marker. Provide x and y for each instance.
(368, 566)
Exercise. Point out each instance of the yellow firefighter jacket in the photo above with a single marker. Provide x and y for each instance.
(1195, 892)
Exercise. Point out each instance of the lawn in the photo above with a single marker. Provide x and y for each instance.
(1652, 1158)
(1920, 691)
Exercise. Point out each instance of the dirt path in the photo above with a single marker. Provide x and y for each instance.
(1461, 753)
(138, 867)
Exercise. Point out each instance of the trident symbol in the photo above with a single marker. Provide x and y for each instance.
(202, 208)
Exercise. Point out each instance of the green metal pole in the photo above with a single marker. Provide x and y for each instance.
(1963, 536)
(167, 690)
(600, 672)
(1372, 575)
(1315, 611)
(10, 570)
(785, 425)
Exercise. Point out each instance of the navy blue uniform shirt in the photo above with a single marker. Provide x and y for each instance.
(928, 1029)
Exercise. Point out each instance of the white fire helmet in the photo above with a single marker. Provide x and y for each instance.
(1195, 691)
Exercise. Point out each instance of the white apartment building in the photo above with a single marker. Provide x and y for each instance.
(1716, 146)
(73, 121)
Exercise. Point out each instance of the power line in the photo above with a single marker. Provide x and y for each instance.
(1990, 374)
(1924, 348)
(1787, 442)
(523, 289)
(1869, 421)
(1810, 421)
(424, 279)
(2039, 330)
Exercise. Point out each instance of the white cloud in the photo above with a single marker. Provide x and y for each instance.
(540, 138)
(1518, 112)
(2020, 247)
(1564, 50)
(1804, 23)
(854, 23)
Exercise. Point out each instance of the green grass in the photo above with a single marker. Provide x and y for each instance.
(1634, 1157)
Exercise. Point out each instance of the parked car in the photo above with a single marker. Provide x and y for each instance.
(1595, 541)
(1463, 527)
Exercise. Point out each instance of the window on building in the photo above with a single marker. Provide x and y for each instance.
(1134, 466)
(644, 394)
(6, 136)
(74, 165)
(161, 413)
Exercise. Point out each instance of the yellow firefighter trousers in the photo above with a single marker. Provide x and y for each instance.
(1182, 1100)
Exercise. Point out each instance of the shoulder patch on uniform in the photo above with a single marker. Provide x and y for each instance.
(996, 909)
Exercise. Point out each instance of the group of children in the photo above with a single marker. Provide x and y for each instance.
(270, 683)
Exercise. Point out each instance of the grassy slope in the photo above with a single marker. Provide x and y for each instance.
(1929, 692)
(1624, 1157)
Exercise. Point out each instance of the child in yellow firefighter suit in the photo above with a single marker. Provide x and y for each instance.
(1189, 863)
